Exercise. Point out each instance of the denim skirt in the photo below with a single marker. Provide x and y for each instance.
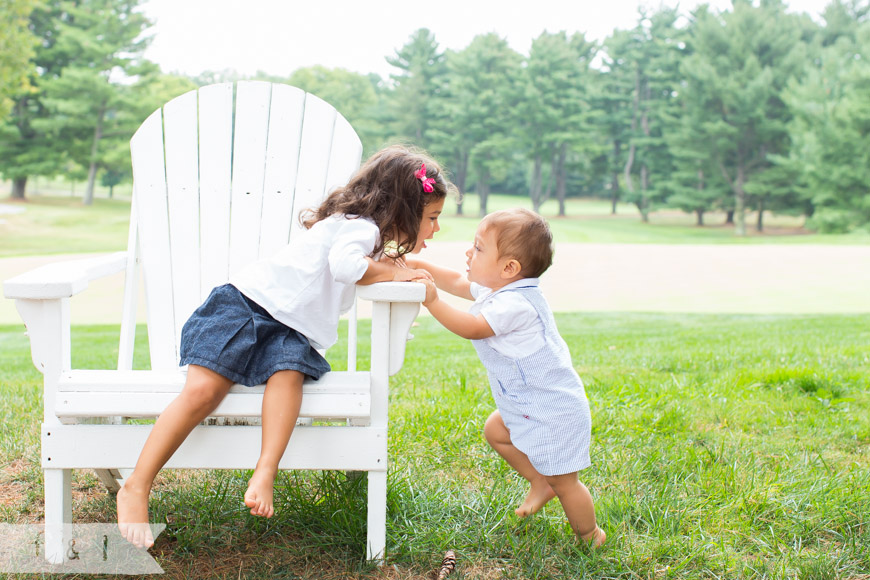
(235, 337)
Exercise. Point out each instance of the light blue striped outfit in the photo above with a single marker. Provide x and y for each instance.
(540, 396)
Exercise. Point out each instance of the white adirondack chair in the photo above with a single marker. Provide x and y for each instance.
(215, 187)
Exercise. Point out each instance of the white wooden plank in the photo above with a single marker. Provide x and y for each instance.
(249, 163)
(149, 194)
(172, 381)
(84, 404)
(380, 363)
(127, 339)
(282, 158)
(215, 447)
(182, 185)
(215, 174)
(376, 515)
(317, 128)
(63, 279)
(402, 315)
(344, 156)
(392, 292)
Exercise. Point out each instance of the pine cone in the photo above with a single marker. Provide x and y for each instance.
(447, 565)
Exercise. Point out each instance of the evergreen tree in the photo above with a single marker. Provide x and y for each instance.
(17, 46)
(646, 63)
(830, 131)
(87, 50)
(417, 86)
(483, 99)
(739, 65)
(551, 109)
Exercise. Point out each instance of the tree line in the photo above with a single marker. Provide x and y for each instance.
(751, 109)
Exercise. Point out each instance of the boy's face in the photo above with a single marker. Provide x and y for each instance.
(484, 267)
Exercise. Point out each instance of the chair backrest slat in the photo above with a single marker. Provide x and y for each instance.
(282, 163)
(249, 166)
(182, 184)
(218, 185)
(317, 127)
(150, 197)
(215, 179)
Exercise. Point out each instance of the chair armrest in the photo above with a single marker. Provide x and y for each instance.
(63, 279)
(392, 292)
(403, 300)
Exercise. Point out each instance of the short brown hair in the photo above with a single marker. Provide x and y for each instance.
(523, 235)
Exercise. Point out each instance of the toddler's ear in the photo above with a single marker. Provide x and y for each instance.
(511, 269)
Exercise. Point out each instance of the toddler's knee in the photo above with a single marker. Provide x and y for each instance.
(492, 426)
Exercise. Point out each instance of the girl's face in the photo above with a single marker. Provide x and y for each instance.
(429, 224)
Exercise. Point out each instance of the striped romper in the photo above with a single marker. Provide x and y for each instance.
(540, 396)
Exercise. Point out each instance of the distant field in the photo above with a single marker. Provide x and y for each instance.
(61, 224)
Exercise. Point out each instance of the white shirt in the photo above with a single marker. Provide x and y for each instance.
(518, 330)
(309, 283)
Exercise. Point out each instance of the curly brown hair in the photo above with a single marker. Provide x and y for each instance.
(386, 190)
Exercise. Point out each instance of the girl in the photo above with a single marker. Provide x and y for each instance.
(267, 322)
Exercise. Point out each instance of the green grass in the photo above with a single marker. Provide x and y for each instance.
(724, 446)
(55, 225)
(63, 225)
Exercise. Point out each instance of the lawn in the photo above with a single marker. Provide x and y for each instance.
(62, 225)
(724, 446)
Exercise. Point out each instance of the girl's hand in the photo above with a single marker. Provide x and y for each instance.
(409, 275)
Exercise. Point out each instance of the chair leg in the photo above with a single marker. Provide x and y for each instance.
(111, 479)
(377, 516)
(58, 513)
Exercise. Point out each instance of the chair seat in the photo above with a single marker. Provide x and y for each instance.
(137, 393)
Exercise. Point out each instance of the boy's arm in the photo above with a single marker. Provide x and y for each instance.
(464, 324)
(446, 279)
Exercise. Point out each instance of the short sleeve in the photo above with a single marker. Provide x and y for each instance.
(354, 240)
(508, 312)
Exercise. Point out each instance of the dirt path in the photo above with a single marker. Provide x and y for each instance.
(620, 277)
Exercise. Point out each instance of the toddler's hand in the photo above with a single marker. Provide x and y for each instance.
(431, 292)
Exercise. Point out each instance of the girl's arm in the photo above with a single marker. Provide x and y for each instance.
(446, 279)
(464, 324)
(387, 271)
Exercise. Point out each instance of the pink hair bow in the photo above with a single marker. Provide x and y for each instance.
(426, 181)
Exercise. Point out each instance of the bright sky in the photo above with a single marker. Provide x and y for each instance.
(279, 36)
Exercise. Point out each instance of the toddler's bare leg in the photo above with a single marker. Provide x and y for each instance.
(577, 503)
(203, 390)
(281, 403)
(540, 492)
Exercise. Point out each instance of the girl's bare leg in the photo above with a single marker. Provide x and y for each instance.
(203, 390)
(540, 491)
(281, 403)
(577, 503)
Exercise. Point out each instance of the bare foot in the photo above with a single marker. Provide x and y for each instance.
(538, 496)
(594, 538)
(259, 494)
(133, 516)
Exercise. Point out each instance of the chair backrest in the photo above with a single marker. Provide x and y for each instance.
(219, 180)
